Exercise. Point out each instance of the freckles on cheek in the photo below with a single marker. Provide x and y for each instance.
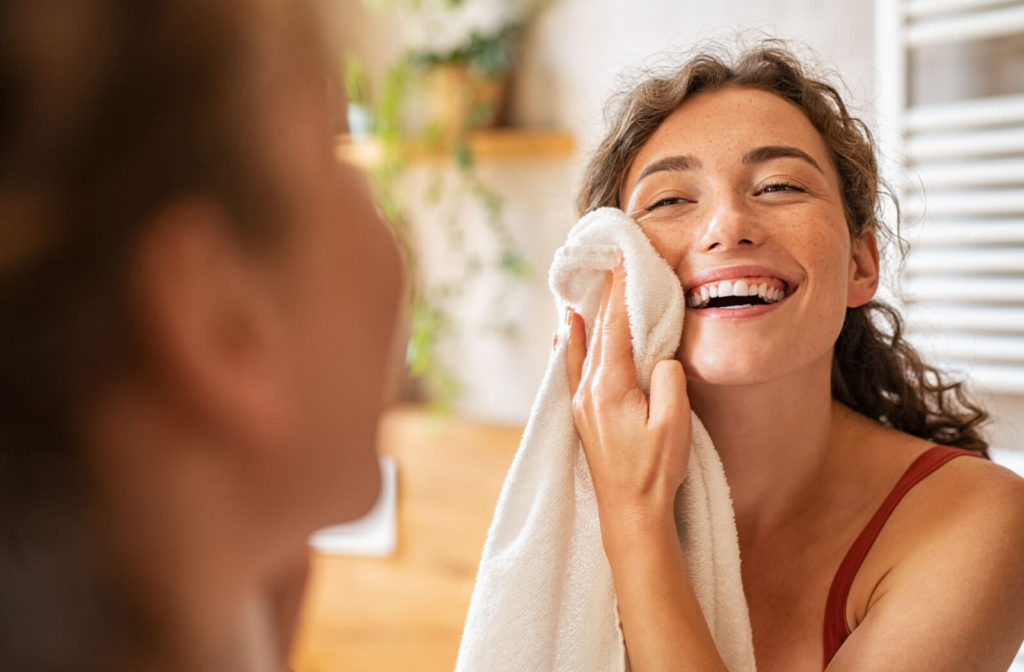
(670, 247)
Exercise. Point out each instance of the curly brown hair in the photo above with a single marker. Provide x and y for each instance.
(875, 371)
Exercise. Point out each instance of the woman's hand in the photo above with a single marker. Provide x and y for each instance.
(637, 448)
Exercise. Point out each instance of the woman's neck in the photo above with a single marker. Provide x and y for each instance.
(774, 439)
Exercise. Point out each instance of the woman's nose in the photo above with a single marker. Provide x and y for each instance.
(730, 225)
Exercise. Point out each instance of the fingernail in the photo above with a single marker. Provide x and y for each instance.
(568, 316)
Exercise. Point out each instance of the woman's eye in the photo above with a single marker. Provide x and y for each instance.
(776, 187)
(674, 200)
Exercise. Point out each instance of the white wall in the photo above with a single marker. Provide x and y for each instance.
(579, 48)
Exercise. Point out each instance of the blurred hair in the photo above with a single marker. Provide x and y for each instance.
(874, 370)
(110, 110)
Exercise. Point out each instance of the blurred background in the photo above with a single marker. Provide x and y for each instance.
(474, 119)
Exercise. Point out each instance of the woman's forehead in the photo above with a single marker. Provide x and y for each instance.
(725, 118)
(730, 123)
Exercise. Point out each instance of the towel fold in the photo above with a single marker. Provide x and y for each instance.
(544, 598)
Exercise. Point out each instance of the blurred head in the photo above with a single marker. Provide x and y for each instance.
(177, 236)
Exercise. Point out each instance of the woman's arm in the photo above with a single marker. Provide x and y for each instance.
(637, 450)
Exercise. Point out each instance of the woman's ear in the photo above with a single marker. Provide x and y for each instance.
(210, 324)
(863, 269)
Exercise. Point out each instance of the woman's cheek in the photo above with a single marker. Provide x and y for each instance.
(670, 245)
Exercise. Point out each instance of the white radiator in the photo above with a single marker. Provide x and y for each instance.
(958, 166)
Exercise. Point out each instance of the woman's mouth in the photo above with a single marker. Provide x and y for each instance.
(737, 293)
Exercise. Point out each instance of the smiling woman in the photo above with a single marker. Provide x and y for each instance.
(756, 185)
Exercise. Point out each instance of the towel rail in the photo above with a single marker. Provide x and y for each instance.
(998, 378)
(919, 9)
(956, 174)
(966, 232)
(969, 290)
(986, 260)
(1002, 349)
(946, 203)
(997, 22)
(988, 111)
(959, 170)
(964, 317)
(954, 144)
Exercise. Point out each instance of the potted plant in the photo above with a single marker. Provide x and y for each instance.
(455, 77)
(468, 85)
(357, 90)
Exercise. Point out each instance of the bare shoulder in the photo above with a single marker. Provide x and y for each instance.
(976, 491)
(969, 504)
(949, 568)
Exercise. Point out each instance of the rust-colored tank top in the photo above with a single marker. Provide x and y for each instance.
(836, 627)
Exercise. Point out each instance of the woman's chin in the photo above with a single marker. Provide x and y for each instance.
(712, 376)
(731, 366)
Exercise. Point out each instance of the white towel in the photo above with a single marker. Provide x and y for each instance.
(544, 599)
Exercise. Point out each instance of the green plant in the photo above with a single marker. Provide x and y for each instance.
(430, 306)
(357, 81)
(490, 53)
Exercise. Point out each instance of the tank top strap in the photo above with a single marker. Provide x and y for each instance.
(836, 627)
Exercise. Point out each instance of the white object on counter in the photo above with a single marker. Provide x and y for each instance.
(375, 534)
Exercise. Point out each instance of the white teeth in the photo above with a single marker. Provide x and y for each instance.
(699, 297)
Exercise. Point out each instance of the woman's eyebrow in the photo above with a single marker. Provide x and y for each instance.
(669, 163)
(762, 154)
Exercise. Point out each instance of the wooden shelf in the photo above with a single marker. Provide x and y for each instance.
(493, 143)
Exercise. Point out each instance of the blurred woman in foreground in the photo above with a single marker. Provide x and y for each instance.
(196, 306)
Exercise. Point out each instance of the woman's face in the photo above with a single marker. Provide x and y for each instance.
(736, 190)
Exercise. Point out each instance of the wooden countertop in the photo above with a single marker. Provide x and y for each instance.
(406, 612)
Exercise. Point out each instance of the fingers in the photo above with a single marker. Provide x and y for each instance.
(669, 419)
(611, 352)
(575, 350)
(612, 343)
(668, 400)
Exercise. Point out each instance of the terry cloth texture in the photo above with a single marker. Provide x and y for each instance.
(544, 599)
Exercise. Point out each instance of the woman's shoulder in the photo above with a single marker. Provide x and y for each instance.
(963, 494)
(967, 482)
(952, 551)
(968, 488)
(977, 500)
